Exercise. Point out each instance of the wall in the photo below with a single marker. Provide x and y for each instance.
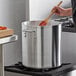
(12, 13)
(39, 9)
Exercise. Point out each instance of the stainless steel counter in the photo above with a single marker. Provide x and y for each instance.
(3, 41)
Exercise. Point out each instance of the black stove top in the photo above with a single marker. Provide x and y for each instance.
(67, 24)
(19, 68)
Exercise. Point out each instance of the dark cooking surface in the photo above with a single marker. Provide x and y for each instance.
(67, 24)
(69, 29)
(19, 68)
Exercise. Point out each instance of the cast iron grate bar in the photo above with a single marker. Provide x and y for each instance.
(19, 68)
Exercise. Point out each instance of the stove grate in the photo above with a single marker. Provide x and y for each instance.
(19, 68)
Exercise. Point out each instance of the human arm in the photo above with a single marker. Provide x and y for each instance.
(62, 12)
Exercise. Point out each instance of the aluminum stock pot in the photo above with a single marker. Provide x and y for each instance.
(41, 45)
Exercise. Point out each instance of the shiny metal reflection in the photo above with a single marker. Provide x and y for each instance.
(41, 46)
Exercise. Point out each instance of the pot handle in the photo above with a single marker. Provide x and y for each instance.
(28, 31)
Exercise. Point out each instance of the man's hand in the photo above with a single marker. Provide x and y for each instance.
(62, 12)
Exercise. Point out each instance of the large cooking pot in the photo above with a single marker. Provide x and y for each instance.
(41, 46)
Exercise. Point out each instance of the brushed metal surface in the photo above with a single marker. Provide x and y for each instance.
(1, 62)
(41, 46)
(56, 38)
(8, 39)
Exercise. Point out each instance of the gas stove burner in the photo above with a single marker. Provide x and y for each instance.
(19, 68)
